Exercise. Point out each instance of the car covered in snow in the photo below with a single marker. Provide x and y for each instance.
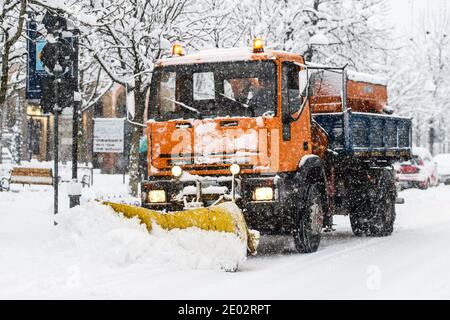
(443, 167)
(419, 172)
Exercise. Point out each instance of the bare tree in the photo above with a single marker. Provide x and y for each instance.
(12, 18)
(126, 48)
(421, 77)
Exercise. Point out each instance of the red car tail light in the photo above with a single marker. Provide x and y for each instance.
(409, 169)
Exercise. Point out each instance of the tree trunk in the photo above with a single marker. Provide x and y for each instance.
(7, 45)
(309, 53)
(3, 91)
(139, 100)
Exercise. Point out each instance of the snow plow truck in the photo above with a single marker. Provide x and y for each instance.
(290, 143)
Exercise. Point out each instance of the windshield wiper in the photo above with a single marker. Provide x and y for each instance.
(234, 100)
(185, 106)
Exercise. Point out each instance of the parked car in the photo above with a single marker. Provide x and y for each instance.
(443, 167)
(420, 172)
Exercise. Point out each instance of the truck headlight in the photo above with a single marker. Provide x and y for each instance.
(263, 194)
(177, 171)
(235, 169)
(157, 196)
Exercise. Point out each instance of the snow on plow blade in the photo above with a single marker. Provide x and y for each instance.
(225, 217)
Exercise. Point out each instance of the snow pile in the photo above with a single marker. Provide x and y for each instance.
(98, 234)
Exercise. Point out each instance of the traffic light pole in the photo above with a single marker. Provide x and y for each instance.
(59, 58)
(56, 149)
(75, 199)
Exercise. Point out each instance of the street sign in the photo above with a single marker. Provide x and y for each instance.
(35, 68)
(109, 135)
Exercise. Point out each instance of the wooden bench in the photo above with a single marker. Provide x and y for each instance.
(35, 176)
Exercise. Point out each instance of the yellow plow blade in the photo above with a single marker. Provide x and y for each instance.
(224, 217)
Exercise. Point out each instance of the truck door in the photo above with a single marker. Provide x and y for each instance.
(296, 122)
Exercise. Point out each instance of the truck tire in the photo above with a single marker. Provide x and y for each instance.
(374, 214)
(383, 224)
(358, 221)
(359, 204)
(310, 221)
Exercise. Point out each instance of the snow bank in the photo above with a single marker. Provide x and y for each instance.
(97, 233)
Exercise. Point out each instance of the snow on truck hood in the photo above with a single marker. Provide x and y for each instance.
(207, 142)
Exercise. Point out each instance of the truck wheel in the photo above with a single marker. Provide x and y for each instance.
(381, 221)
(359, 204)
(358, 221)
(375, 213)
(307, 237)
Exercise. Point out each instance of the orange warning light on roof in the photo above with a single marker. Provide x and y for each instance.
(258, 45)
(177, 50)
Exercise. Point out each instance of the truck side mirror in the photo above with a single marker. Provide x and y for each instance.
(303, 83)
(306, 84)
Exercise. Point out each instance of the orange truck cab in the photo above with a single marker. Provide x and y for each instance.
(260, 127)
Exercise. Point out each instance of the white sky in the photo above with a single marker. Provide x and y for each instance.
(406, 13)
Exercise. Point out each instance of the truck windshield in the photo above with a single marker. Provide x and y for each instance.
(214, 90)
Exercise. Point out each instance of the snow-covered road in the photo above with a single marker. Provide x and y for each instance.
(118, 260)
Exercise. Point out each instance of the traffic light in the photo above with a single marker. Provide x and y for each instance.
(54, 22)
(63, 94)
(58, 58)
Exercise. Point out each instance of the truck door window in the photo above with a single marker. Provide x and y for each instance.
(204, 86)
(291, 88)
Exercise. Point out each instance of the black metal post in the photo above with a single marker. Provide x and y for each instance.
(29, 138)
(55, 150)
(92, 147)
(345, 110)
(75, 199)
